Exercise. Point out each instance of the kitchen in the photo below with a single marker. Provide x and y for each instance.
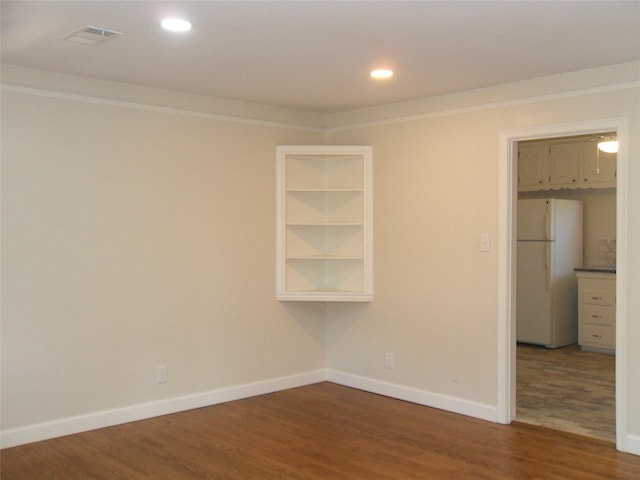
(567, 194)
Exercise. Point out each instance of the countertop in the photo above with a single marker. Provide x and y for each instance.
(596, 269)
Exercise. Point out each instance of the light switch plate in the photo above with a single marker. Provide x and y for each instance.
(485, 242)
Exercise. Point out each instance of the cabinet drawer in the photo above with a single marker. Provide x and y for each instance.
(598, 297)
(598, 314)
(597, 335)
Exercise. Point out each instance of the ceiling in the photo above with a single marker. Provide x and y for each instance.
(316, 55)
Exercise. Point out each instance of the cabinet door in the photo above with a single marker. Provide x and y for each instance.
(532, 166)
(598, 168)
(564, 164)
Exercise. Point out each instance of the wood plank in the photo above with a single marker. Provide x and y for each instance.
(321, 431)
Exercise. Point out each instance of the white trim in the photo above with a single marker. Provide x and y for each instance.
(414, 395)
(107, 418)
(506, 316)
(153, 108)
(393, 119)
(506, 285)
(631, 444)
(622, 281)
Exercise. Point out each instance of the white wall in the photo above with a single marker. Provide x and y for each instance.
(135, 237)
(435, 191)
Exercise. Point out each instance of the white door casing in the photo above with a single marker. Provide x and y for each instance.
(507, 202)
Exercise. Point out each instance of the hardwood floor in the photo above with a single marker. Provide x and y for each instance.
(321, 431)
(567, 389)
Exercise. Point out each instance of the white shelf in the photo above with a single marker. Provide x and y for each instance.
(324, 223)
(325, 296)
(324, 257)
(323, 190)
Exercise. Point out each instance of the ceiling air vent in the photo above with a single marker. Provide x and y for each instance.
(89, 35)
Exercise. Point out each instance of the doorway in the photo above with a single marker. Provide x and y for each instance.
(507, 265)
(565, 382)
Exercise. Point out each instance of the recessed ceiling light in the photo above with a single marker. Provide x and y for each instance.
(382, 73)
(176, 25)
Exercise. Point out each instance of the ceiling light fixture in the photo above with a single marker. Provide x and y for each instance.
(608, 145)
(382, 73)
(176, 25)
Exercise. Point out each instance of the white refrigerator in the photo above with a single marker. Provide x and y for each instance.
(549, 248)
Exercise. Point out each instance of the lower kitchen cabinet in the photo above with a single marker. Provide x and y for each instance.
(597, 311)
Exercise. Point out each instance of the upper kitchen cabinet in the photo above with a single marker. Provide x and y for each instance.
(598, 167)
(533, 166)
(324, 223)
(564, 163)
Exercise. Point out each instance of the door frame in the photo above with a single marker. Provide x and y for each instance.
(507, 202)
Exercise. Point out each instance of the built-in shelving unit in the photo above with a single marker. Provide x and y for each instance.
(324, 230)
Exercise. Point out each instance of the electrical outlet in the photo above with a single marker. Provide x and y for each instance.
(455, 374)
(388, 360)
(161, 374)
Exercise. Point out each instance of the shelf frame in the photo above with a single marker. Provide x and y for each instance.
(356, 180)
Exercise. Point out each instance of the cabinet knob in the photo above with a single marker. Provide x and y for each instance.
(596, 298)
(573, 180)
(596, 316)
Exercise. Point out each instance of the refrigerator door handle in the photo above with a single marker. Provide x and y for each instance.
(547, 265)
(547, 225)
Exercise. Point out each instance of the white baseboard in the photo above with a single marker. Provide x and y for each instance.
(108, 418)
(414, 395)
(631, 444)
(83, 423)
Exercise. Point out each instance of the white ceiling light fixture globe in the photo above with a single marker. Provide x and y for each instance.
(609, 146)
(176, 25)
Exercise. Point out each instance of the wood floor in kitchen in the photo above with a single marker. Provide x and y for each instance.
(566, 389)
